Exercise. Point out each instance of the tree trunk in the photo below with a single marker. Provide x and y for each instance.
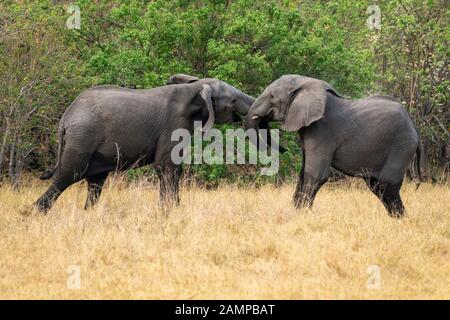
(13, 158)
(424, 160)
(15, 161)
(18, 169)
(444, 161)
(3, 145)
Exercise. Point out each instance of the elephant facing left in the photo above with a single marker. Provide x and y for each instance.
(110, 128)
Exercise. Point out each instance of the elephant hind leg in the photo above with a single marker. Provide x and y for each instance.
(392, 200)
(46, 201)
(389, 194)
(95, 186)
(72, 169)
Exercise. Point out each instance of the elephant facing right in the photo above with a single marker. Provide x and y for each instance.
(372, 137)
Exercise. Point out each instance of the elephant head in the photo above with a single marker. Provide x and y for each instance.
(228, 102)
(296, 101)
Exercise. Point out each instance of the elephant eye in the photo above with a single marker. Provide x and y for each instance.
(272, 99)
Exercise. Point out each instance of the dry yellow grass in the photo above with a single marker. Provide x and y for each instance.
(226, 243)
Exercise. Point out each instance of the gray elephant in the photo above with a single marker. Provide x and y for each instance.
(110, 128)
(372, 137)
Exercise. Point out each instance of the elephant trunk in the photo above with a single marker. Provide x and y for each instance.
(250, 121)
(257, 112)
(257, 119)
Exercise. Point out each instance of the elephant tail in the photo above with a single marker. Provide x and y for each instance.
(418, 156)
(49, 173)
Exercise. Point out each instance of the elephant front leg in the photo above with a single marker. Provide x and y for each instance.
(302, 196)
(306, 190)
(169, 181)
(314, 173)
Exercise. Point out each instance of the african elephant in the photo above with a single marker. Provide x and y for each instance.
(372, 137)
(110, 128)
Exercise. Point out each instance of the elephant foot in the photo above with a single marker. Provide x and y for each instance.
(30, 210)
(302, 201)
(168, 205)
(169, 201)
(396, 210)
(42, 206)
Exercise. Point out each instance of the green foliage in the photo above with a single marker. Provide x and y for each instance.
(39, 79)
(414, 45)
(139, 44)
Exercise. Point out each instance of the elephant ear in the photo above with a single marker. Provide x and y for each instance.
(181, 78)
(306, 104)
(206, 93)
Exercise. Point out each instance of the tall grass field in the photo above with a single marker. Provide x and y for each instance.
(228, 243)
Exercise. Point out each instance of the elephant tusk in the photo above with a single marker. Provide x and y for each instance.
(255, 117)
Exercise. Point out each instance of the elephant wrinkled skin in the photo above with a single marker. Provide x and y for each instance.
(372, 137)
(110, 128)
